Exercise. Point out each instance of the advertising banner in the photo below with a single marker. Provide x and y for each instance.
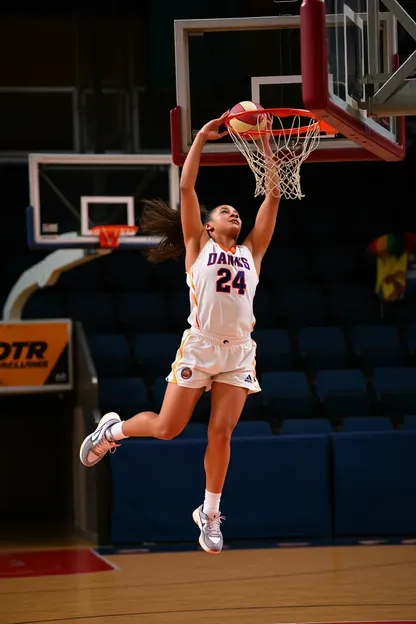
(35, 356)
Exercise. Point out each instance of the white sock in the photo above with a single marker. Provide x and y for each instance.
(211, 503)
(116, 431)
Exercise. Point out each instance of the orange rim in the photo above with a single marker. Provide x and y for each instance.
(282, 112)
(115, 229)
(109, 235)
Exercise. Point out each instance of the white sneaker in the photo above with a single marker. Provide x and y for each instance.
(210, 539)
(99, 442)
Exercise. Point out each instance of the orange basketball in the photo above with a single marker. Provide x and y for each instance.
(247, 121)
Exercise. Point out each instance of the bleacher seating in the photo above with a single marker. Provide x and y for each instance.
(377, 345)
(287, 394)
(275, 348)
(395, 388)
(343, 392)
(323, 347)
(338, 378)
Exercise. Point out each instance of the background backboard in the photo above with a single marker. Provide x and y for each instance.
(309, 60)
(69, 194)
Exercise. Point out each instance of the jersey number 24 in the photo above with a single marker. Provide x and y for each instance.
(224, 279)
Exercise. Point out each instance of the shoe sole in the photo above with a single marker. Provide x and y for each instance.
(103, 421)
(195, 517)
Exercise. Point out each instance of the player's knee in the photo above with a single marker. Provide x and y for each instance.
(167, 431)
(220, 433)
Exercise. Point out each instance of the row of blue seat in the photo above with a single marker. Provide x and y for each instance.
(300, 486)
(297, 306)
(302, 426)
(127, 272)
(287, 394)
(317, 348)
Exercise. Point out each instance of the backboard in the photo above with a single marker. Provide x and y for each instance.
(315, 59)
(70, 193)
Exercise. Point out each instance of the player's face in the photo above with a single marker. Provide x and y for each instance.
(225, 220)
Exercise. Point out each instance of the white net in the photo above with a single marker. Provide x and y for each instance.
(279, 173)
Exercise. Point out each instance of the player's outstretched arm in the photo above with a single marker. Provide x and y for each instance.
(190, 210)
(260, 236)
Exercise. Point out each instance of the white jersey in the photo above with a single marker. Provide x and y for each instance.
(222, 286)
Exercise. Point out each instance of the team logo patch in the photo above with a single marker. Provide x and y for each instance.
(186, 373)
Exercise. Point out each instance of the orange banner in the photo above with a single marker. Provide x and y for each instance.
(35, 356)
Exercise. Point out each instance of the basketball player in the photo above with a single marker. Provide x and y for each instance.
(216, 352)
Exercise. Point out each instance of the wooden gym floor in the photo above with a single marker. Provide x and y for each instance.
(328, 584)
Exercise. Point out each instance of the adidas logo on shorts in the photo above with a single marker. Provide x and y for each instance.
(248, 379)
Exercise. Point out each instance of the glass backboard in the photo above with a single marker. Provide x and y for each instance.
(72, 193)
(285, 61)
(343, 44)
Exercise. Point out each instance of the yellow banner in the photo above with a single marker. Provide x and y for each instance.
(35, 355)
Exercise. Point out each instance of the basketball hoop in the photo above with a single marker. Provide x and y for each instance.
(296, 135)
(109, 235)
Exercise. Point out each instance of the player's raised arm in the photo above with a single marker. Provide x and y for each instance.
(260, 236)
(190, 210)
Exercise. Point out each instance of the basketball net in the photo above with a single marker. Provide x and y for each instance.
(291, 145)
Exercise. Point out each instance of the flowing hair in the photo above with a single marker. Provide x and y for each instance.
(160, 219)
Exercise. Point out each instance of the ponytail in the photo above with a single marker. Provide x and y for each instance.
(159, 219)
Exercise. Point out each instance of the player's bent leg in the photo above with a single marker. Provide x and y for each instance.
(227, 403)
(176, 411)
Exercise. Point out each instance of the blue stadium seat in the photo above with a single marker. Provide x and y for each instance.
(396, 389)
(302, 306)
(111, 354)
(301, 426)
(156, 351)
(127, 396)
(353, 304)
(323, 347)
(369, 423)
(333, 264)
(252, 429)
(43, 304)
(343, 392)
(377, 345)
(409, 421)
(96, 311)
(287, 394)
(142, 311)
(274, 349)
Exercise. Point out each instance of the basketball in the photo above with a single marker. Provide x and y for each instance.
(248, 121)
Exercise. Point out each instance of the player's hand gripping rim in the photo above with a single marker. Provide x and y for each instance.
(211, 130)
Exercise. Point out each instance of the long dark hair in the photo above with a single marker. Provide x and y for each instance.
(160, 219)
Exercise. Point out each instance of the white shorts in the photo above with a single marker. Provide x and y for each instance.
(202, 359)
